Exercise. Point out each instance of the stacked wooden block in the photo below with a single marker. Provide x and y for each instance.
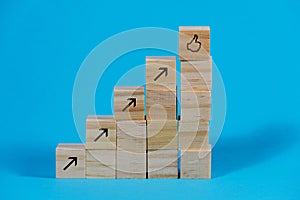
(196, 82)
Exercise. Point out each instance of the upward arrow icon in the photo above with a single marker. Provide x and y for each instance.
(132, 101)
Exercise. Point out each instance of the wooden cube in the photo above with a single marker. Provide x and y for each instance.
(162, 134)
(195, 106)
(161, 73)
(70, 161)
(131, 164)
(131, 135)
(196, 75)
(161, 105)
(129, 102)
(163, 164)
(194, 42)
(100, 132)
(196, 163)
(100, 163)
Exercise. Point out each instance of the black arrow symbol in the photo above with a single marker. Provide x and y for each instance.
(104, 131)
(132, 101)
(73, 159)
(163, 70)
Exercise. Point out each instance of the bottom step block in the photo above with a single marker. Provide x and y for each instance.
(163, 164)
(131, 164)
(196, 163)
(100, 164)
(70, 161)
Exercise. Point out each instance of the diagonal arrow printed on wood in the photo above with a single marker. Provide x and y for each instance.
(132, 101)
(163, 70)
(104, 131)
(73, 159)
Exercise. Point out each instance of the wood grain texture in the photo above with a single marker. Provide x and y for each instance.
(162, 134)
(131, 135)
(100, 163)
(196, 75)
(95, 135)
(131, 165)
(156, 77)
(163, 164)
(63, 154)
(121, 101)
(161, 105)
(187, 37)
(196, 163)
(195, 106)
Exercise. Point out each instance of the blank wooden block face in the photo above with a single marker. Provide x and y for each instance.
(100, 132)
(161, 73)
(162, 134)
(194, 42)
(163, 164)
(70, 161)
(195, 105)
(196, 164)
(161, 105)
(129, 103)
(196, 75)
(100, 163)
(131, 135)
(131, 165)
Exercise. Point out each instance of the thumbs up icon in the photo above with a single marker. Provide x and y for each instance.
(194, 45)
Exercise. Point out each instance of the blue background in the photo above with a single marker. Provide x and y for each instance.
(254, 43)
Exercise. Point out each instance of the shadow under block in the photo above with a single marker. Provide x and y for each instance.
(129, 102)
(162, 134)
(131, 136)
(196, 163)
(131, 164)
(196, 75)
(100, 132)
(161, 73)
(195, 106)
(193, 134)
(163, 164)
(161, 105)
(70, 161)
(100, 163)
(194, 42)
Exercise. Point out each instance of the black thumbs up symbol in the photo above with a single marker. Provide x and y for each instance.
(194, 45)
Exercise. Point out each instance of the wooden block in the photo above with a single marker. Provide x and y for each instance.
(161, 73)
(162, 134)
(196, 75)
(195, 106)
(131, 135)
(196, 163)
(70, 161)
(163, 164)
(194, 42)
(161, 105)
(131, 164)
(129, 102)
(100, 163)
(100, 132)
(193, 126)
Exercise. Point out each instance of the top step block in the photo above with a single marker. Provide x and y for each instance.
(129, 103)
(161, 73)
(194, 42)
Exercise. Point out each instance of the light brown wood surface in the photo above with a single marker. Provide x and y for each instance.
(122, 110)
(64, 154)
(163, 164)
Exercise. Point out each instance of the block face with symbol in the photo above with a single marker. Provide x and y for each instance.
(161, 73)
(129, 102)
(100, 132)
(100, 163)
(194, 42)
(196, 163)
(70, 161)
